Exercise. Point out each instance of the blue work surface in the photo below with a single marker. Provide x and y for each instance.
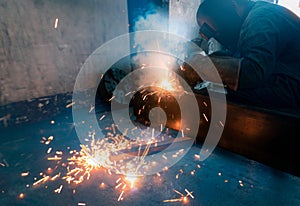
(222, 179)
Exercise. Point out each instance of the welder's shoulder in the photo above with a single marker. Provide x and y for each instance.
(260, 7)
(269, 11)
(266, 19)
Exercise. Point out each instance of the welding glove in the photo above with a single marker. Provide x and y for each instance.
(212, 68)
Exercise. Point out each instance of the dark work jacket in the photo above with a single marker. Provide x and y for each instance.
(269, 45)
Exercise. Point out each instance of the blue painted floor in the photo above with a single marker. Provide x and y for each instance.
(222, 179)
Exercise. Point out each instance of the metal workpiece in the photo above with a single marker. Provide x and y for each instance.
(264, 135)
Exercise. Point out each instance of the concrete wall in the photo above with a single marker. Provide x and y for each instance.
(37, 59)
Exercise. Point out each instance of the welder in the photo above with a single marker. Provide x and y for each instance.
(260, 64)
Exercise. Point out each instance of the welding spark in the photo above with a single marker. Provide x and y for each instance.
(112, 98)
(120, 197)
(21, 196)
(131, 180)
(183, 198)
(56, 23)
(70, 105)
(43, 180)
(58, 190)
(110, 155)
(49, 150)
(102, 117)
(204, 115)
(24, 174)
(165, 84)
(91, 108)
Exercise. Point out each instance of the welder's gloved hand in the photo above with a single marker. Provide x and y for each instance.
(201, 43)
(211, 68)
(189, 74)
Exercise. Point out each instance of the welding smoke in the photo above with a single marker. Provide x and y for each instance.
(152, 19)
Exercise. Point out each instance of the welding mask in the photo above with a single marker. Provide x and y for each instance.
(207, 32)
(219, 20)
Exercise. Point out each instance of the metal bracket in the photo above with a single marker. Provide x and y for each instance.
(211, 86)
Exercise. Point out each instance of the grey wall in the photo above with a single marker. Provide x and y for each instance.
(38, 60)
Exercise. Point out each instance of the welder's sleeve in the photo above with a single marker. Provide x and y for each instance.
(229, 70)
(218, 69)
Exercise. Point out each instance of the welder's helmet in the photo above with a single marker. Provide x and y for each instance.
(220, 20)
